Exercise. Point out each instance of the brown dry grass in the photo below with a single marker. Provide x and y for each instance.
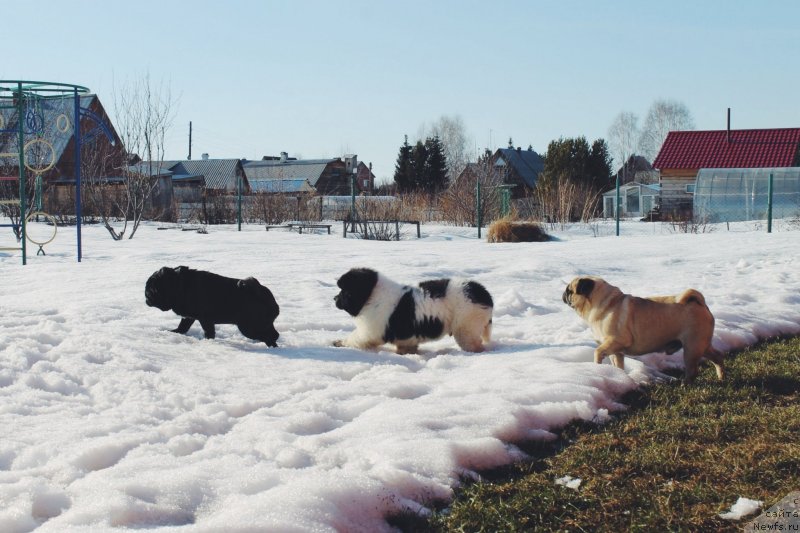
(507, 230)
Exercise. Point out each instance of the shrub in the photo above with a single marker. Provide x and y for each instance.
(507, 230)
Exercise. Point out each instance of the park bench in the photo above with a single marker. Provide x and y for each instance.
(300, 226)
(366, 222)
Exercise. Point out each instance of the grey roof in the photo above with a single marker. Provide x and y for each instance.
(527, 163)
(44, 118)
(154, 169)
(219, 173)
(280, 185)
(304, 169)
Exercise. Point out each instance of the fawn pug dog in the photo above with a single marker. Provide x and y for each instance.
(628, 325)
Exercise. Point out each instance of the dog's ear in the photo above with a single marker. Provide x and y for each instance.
(356, 278)
(584, 286)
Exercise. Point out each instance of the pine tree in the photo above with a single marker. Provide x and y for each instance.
(419, 160)
(435, 167)
(403, 176)
(599, 166)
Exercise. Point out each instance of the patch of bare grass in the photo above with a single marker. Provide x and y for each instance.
(678, 458)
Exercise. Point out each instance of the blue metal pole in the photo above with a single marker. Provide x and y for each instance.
(78, 212)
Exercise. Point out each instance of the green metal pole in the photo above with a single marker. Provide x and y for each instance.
(617, 209)
(353, 202)
(478, 206)
(239, 200)
(769, 204)
(21, 142)
(39, 198)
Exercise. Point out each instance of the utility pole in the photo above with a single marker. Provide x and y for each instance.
(190, 141)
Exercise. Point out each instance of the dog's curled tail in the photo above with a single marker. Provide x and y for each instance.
(264, 294)
(692, 295)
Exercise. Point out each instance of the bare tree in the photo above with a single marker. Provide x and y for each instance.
(143, 115)
(623, 134)
(452, 134)
(459, 200)
(664, 116)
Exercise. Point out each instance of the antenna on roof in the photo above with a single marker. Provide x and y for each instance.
(190, 141)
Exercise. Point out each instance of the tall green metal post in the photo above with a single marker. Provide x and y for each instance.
(353, 203)
(616, 214)
(478, 206)
(239, 201)
(21, 142)
(505, 201)
(769, 204)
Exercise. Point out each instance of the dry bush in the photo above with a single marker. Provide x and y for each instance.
(378, 218)
(459, 202)
(509, 230)
(276, 208)
(566, 201)
(419, 206)
(690, 226)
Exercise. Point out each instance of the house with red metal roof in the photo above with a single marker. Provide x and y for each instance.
(684, 153)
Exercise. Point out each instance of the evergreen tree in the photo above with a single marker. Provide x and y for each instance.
(574, 160)
(435, 177)
(599, 166)
(403, 175)
(419, 160)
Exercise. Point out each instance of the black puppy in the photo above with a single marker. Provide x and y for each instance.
(214, 299)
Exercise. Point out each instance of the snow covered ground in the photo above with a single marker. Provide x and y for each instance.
(111, 421)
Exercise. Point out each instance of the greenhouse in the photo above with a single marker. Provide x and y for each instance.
(733, 194)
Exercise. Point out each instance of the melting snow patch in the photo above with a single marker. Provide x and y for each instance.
(569, 482)
(743, 507)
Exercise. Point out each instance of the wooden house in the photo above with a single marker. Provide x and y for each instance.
(508, 166)
(50, 146)
(325, 177)
(684, 153)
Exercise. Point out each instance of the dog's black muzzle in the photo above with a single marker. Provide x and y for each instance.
(567, 297)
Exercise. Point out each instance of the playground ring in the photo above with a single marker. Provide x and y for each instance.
(62, 123)
(51, 218)
(48, 146)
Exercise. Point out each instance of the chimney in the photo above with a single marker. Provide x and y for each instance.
(729, 125)
(350, 163)
(205, 156)
(284, 156)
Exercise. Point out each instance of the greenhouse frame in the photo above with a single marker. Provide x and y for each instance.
(737, 194)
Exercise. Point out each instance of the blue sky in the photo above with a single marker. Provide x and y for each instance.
(323, 78)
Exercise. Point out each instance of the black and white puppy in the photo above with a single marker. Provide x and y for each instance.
(388, 312)
(213, 299)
